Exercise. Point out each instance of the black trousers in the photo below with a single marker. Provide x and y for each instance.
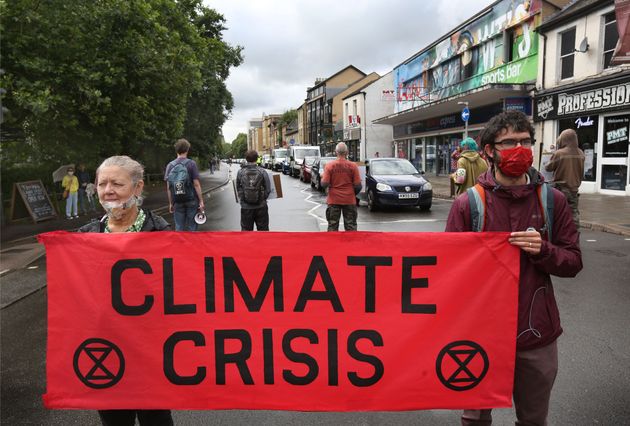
(260, 216)
(128, 417)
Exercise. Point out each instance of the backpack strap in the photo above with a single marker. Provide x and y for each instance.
(477, 201)
(545, 201)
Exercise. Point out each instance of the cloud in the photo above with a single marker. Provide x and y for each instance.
(289, 43)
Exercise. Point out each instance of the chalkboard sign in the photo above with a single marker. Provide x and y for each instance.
(34, 197)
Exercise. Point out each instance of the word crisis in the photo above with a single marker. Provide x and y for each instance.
(272, 281)
(306, 368)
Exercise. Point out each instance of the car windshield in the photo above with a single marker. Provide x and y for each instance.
(325, 161)
(309, 160)
(301, 153)
(281, 154)
(393, 167)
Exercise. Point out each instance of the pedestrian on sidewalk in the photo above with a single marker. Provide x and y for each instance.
(343, 181)
(84, 179)
(183, 188)
(70, 184)
(253, 187)
(119, 186)
(470, 166)
(567, 165)
(90, 192)
(511, 204)
(455, 154)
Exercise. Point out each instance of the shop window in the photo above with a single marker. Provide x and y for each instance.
(587, 132)
(611, 35)
(499, 58)
(616, 131)
(614, 176)
(509, 46)
(567, 53)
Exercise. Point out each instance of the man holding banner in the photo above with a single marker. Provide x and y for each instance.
(512, 196)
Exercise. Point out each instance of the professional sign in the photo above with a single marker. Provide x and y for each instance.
(231, 320)
(608, 96)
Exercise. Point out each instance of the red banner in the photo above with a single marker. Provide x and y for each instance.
(283, 321)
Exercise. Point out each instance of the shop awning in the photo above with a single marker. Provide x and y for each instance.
(484, 95)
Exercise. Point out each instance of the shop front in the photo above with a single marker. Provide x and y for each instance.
(429, 143)
(599, 112)
(352, 138)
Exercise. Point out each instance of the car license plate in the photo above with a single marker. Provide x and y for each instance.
(410, 195)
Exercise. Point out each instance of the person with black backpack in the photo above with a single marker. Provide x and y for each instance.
(183, 188)
(253, 187)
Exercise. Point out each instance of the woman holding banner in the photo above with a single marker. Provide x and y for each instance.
(119, 183)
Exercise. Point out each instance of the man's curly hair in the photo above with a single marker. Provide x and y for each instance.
(513, 119)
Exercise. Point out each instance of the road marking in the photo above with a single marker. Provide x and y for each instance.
(591, 241)
(32, 267)
(311, 212)
(4, 272)
(321, 220)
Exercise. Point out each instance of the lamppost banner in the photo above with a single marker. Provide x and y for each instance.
(348, 321)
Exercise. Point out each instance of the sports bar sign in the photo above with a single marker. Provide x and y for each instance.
(209, 320)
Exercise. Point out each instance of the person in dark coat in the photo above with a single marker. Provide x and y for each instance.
(119, 183)
(567, 165)
(512, 205)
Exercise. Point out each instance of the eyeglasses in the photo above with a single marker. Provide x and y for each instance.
(511, 143)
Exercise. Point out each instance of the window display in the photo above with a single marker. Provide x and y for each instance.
(616, 136)
(586, 129)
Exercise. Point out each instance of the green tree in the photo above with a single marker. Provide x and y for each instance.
(88, 79)
(210, 105)
(239, 146)
(288, 117)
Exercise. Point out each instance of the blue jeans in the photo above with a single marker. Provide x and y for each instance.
(71, 204)
(184, 215)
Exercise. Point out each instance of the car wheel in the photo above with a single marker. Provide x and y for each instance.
(312, 183)
(371, 201)
(425, 207)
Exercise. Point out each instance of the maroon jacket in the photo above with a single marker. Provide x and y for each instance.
(516, 208)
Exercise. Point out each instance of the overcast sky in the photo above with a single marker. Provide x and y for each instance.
(289, 43)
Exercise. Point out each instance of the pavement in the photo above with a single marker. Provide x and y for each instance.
(19, 246)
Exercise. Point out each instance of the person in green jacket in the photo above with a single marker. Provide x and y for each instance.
(469, 166)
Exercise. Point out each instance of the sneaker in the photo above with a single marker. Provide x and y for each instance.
(76, 216)
(69, 217)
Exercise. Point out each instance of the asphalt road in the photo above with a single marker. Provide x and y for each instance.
(593, 385)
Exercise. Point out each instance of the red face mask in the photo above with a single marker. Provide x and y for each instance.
(514, 162)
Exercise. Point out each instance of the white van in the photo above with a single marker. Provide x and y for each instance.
(297, 154)
(277, 158)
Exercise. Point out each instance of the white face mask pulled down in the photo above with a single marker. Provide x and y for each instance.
(116, 210)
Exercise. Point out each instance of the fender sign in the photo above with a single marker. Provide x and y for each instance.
(343, 321)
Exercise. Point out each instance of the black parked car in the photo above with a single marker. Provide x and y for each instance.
(396, 182)
(317, 170)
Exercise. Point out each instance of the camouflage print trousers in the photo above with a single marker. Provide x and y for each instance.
(572, 199)
(333, 214)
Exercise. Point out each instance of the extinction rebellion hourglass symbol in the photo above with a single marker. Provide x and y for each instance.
(462, 365)
(98, 363)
